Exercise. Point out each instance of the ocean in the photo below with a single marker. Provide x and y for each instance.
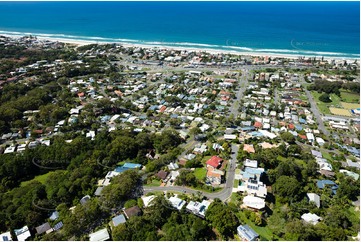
(329, 29)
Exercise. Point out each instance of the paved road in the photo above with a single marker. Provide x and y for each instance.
(224, 194)
(243, 85)
(317, 148)
(314, 109)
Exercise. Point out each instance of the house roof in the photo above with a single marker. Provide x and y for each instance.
(212, 172)
(248, 148)
(133, 211)
(43, 228)
(23, 233)
(313, 197)
(6, 237)
(246, 232)
(98, 191)
(54, 215)
(310, 218)
(100, 235)
(254, 202)
(162, 174)
(120, 219)
(257, 124)
(214, 161)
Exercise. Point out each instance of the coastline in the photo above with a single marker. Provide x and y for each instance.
(81, 42)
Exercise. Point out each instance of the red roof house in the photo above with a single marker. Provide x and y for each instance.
(162, 109)
(257, 125)
(214, 161)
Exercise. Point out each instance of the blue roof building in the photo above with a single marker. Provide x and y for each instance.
(120, 219)
(321, 184)
(246, 233)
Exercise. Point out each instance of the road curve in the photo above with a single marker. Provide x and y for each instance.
(223, 195)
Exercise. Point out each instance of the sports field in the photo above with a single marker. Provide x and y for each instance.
(340, 111)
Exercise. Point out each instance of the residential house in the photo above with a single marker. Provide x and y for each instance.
(198, 208)
(120, 219)
(177, 202)
(246, 233)
(147, 200)
(5, 237)
(44, 228)
(22, 234)
(214, 162)
(250, 163)
(85, 199)
(254, 202)
(321, 184)
(313, 197)
(131, 212)
(214, 176)
(162, 175)
(311, 218)
(100, 235)
(249, 148)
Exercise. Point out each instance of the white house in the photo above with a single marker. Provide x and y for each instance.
(23, 233)
(177, 202)
(6, 236)
(100, 235)
(254, 202)
(310, 218)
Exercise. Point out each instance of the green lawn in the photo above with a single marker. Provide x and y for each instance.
(200, 173)
(40, 178)
(298, 161)
(264, 232)
(204, 160)
(235, 183)
(350, 97)
(326, 155)
(324, 107)
(154, 183)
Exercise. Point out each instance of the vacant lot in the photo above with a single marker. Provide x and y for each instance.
(200, 173)
(350, 105)
(39, 178)
(340, 111)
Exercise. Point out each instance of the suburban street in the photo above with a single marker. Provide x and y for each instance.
(239, 95)
(223, 195)
(314, 109)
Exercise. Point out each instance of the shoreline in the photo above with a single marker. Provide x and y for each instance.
(80, 42)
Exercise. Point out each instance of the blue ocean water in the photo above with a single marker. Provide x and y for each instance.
(299, 28)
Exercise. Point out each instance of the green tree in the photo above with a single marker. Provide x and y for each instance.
(325, 98)
(288, 188)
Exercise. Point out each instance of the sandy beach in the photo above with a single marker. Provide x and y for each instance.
(189, 49)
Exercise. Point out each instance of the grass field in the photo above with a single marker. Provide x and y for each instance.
(326, 155)
(40, 178)
(204, 160)
(264, 232)
(340, 111)
(337, 107)
(324, 107)
(350, 97)
(200, 173)
(154, 183)
(350, 105)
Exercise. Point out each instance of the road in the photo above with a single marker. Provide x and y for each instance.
(223, 195)
(314, 109)
(243, 85)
